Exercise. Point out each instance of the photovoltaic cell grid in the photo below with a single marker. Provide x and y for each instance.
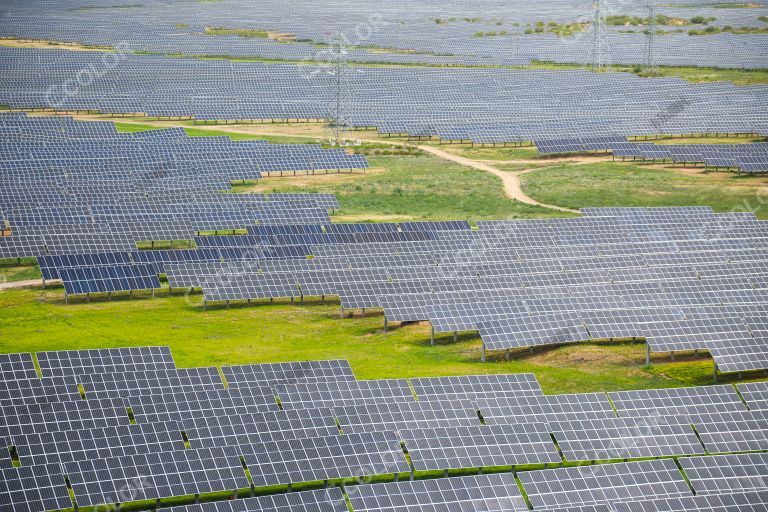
(109, 279)
(97, 443)
(479, 446)
(288, 373)
(322, 458)
(40, 391)
(544, 408)
(755, 394)
(258, 427)
(178, 406)
(471, 493)
(476, 386)
(34, 489)
(341, 393)
(624, 438)
(148, 382)
(677, 401)
(727, 473)
(604, 483)
(738, 431)
(737, 502)
(324, 500)
(154, 476)
(17, 367)
(78, 362)
(60, 416)
(395, 416)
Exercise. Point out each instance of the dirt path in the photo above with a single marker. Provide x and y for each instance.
(511, 179)
(21, 284)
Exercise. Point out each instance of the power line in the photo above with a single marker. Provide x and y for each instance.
(650, 58)
(600, 57)
(339, 111)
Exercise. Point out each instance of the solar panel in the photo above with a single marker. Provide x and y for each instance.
(17, 367)
(154, 476)
(322, 458)
(38, 391)
(676, 401)
(34, 489)
(148, 382)
(739, 431)
(395, 416)
(624, 438)
(479, 446)
(755, 394)
(323, 500)
(246, 428)
(97, 443)
(476, 386)
(178, 406)
(544, 408)
(76, 362)
(737, 502)
(604, 483)
(287, 373)
(727, 473)
(478, 493)
(60, 416)
(340, 393)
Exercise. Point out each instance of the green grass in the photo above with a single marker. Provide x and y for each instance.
(19, 273)
(37, 320)
(707, 140)
(418, 187)
(241, 32)
(202, 132)
(692, 74)
(615, 184)
(490, 152)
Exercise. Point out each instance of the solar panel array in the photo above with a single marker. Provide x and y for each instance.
(504, 105)
(681, 279)
(408, 32)
(127, 425)
(747, 158)
(79, 195)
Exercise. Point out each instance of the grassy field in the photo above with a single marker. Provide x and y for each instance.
(23, 270)
(615, 184)
(36, 319)
(490, 152)
(690, 73)
(412, 187)
(202, 132)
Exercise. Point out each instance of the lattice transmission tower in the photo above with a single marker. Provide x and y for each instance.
(650, 59)
(338, 121)
(600, 55)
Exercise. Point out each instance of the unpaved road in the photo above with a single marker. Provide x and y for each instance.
(21, 284)
(511, 179)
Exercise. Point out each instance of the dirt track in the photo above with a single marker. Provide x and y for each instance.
(21, 284)
(511, 179)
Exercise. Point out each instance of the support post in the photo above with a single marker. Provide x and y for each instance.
(483, 356)
(647, 354)
(715, 373)
(432, 336)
